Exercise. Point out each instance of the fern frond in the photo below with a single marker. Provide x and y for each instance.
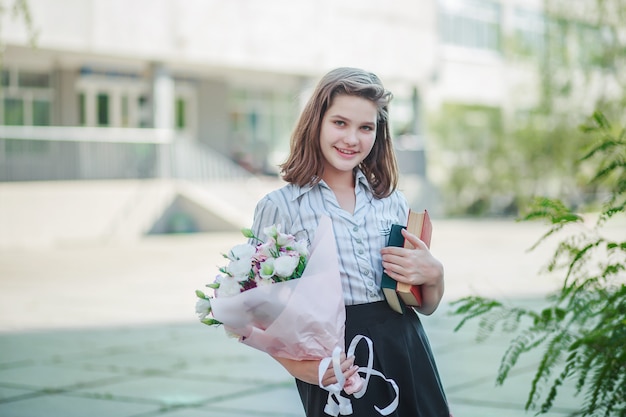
(522, 343)
(508, 318)
(565, 373)
(473, 307)
(554, 351)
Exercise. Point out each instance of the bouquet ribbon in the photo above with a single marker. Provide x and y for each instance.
(336, 403)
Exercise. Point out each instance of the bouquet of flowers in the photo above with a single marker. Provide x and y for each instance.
(281, 298)
(281, 258)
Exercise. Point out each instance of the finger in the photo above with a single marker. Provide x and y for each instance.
(414, 240)
(394, 270)
(392, 259)
(351, 371)
(347, 366)
(399, 276)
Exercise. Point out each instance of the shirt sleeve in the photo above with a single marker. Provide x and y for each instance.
(268, 213)
(403, 205)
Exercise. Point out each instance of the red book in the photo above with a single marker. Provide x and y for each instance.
(420, 225)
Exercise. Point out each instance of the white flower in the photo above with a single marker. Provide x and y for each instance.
(285, 265)
(266, 268)
(245, 251)
(264, 281)
(240, 269)
(203, 306)
(267, 249)
(272, 231)
(285, 240)
(228, 286)
(301, 247)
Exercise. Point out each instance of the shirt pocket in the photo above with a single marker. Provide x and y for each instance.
(384, 226)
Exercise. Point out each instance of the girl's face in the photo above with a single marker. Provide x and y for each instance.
(347, 135)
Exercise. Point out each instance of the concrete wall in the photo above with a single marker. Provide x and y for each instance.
(66, 94)
(213, 117)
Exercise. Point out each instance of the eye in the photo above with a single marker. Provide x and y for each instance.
(368, 128)
(340, 123)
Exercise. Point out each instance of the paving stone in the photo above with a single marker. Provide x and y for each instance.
(7, 393)
(52, 377)
(282, 401)
(65, 406)
(170, 391)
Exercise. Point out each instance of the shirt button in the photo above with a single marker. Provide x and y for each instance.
(366, 272)
(358, 240)
(361, 251)
(355, 229)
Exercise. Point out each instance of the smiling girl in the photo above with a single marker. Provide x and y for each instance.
(342, 165)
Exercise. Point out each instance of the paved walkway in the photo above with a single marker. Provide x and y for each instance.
(109, 330)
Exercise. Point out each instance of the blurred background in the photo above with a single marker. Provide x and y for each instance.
(131, 128)
(488, 94)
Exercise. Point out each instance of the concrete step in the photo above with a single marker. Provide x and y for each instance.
(70, 212)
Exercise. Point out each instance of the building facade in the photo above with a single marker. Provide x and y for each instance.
(149, 88)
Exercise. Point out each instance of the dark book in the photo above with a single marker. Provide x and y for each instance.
(398, 294)
(387, 283)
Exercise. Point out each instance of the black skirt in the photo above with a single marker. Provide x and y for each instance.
(401, 352)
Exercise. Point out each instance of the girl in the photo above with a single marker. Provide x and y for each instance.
(342, 165)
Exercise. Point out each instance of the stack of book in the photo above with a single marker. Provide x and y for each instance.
(398, 294)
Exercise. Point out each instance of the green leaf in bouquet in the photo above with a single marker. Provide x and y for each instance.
(211, 322)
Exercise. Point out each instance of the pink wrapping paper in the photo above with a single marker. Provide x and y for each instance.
(304, 319)
(299, 319)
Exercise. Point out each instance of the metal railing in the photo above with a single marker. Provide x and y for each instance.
(41, 153)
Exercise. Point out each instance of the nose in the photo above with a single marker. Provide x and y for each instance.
(351, 137)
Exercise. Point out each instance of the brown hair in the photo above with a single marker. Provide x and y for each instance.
(305, 164)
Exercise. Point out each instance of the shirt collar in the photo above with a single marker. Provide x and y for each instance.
(300, 191)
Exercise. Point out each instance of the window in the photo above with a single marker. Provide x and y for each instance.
(471, 24)
(102, 102)
(25, 98)
(260, 124)
(41, 113)
(180, 114)
(592, 43)
(108, 98)
(145, 112)
(530, 31)
(33, 80)
(556, 47)
(82, 111)
(13, 112)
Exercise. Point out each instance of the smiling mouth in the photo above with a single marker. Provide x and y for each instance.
(346, 152)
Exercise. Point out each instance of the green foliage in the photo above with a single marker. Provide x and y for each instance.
(582, 331)
(493, 157)
(19, 9)
(472, 140)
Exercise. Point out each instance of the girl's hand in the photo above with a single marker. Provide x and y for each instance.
(307, 370)
(416, 267)
(412, 266)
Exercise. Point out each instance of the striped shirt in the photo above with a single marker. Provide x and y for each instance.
(360, 236)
